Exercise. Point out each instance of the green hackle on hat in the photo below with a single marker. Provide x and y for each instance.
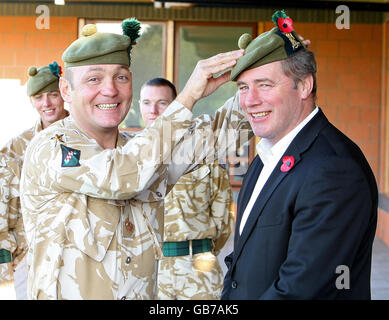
(44, 79)
(94, 48)
(131, 28)
(277, 44)
(278, 14)
(55, 69)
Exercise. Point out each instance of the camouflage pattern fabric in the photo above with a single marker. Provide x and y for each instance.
(198, 207)
(12, 238)
(94, 217)
(16, 147)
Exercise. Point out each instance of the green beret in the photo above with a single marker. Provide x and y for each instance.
(102, 48)
(44, 79)
(277, 44)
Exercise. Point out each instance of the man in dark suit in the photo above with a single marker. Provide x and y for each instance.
(307, 209)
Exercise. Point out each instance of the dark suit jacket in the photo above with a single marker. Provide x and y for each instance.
(307, 222)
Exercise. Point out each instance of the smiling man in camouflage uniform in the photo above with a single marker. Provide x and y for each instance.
(92, 198)
(43, 90)
(197, 219)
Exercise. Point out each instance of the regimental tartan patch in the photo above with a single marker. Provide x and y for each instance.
(70, 157)
(5, 256)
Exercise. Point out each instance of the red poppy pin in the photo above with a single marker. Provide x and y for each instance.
(282, 21)
(287, 163)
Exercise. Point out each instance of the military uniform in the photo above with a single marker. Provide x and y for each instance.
(198, 222)
(17, 146)
(12, 239)
(15, 149)
(94, 217)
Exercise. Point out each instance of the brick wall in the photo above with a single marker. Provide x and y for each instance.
(383, 213)
(23, 45)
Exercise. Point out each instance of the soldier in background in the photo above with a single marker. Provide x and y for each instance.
(12, 238)
(92, 197)
(43, 90)
(197, 219)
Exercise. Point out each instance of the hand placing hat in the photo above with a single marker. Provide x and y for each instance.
(202, 82)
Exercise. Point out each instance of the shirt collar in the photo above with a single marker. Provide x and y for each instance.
(268, 152)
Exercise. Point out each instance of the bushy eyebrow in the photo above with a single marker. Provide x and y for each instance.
(159, 100)
(239, 83)
(94, 69)
(100, 69)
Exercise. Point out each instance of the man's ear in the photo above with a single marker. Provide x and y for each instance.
(305, 87)
(65, 89)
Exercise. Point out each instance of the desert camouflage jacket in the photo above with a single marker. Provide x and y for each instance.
(94, 217)
(198, 207)
(12, 238)
(17, 146)
(14, 149)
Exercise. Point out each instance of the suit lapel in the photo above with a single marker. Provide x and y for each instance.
(299, 145)
(248, 186)
(246, 190)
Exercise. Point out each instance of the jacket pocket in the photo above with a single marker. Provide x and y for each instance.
(92, 225)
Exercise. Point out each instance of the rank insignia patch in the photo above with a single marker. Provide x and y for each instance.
(57, 138)
(70, 157)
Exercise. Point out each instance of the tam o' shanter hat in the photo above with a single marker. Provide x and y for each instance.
(44, 79)
(277, 44)
(102, 48)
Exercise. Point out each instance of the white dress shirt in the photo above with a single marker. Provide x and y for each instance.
(270, 155)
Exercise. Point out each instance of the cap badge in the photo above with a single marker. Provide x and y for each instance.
(285, 24)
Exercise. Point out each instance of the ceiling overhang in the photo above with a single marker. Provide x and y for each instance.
(375, 5)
